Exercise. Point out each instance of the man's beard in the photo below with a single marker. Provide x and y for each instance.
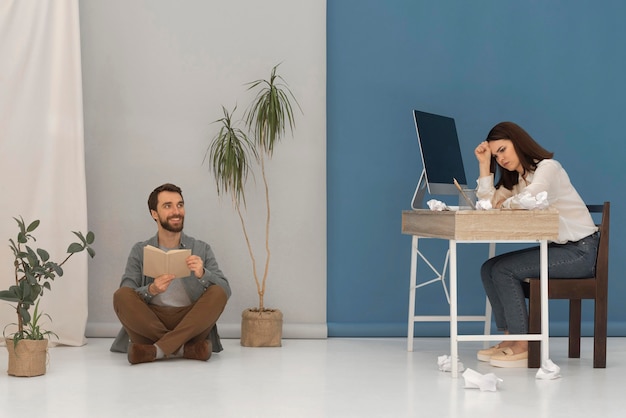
(166, 225)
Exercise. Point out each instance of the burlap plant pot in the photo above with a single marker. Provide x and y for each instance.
(261, 328)
(28, 358)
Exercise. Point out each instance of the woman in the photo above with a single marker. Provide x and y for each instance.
(525, 170)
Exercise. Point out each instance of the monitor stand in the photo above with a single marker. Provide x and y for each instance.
(420, 192)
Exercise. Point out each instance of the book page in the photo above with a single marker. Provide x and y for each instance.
(176, 263)
(157, 262)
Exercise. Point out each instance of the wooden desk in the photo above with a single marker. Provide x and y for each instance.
(476, 226)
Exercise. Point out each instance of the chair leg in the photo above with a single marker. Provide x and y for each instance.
(599, 334)
(534, 325)
(574, 328)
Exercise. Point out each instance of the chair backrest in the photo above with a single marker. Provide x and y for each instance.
(602, 261)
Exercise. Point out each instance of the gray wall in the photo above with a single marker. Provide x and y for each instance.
(155, 74)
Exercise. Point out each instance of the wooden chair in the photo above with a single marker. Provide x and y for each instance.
(575, 290)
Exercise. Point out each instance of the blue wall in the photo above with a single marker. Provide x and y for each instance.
(557, 68)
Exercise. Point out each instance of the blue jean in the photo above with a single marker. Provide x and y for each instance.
(503, 275)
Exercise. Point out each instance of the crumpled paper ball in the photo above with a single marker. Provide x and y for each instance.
(484, 204)
(437, 205)
(485, 382)
(445, 364)
(548, 371)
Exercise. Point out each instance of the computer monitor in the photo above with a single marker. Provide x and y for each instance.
(441, 156)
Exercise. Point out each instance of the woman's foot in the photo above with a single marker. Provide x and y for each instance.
(507, 358)
(516, 355)
(485, 355)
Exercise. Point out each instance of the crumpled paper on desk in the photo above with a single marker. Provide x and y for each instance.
(437, 205)
(548, 371)
(485, 382)
(445, 364)
(483, 204)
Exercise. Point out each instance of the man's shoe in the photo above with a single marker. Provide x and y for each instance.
(485, 355)
(507, 358)
(199, 350)
(141, 353)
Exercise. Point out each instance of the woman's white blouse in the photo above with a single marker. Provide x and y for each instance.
(575, 222)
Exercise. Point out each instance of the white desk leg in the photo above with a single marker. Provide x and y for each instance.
(545, 322)
(413, 283)
(454, 345)
(488, 311)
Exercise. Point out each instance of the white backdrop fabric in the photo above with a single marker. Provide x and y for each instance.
(42, 151)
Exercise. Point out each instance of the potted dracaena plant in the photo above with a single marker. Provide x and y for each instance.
(34, 272)
(231, 155)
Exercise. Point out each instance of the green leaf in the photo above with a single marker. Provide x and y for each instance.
(9, 295)
(18, 291)
(57, 269)
(270, 111)
(24, 314)
(30, 278)
(33, 225)
(75, 247)
(26, 290)
(89, 239)
(20, 223)
(33, 259)
(29, 292)
(229, 156)
(43, 254)
(80, 236)
(91, 252)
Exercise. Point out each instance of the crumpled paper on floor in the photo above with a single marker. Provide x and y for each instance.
(437, 205)
(548, 371)
(485, 382)
(445, 364)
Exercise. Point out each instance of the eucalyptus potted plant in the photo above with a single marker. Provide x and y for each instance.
(34, 272)
(231, 156)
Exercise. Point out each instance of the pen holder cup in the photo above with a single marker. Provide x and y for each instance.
(471, 195)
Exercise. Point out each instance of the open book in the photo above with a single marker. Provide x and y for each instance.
(157, 262)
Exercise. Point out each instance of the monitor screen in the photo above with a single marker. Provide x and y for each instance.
(441, 154)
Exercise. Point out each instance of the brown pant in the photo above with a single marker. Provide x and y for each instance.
(168, 327)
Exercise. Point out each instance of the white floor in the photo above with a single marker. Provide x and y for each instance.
(337, 377)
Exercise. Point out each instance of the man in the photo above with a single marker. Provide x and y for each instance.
(166, 316)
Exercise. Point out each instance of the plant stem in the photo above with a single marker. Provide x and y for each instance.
(254, 273)
(20, 323)
(267, 229)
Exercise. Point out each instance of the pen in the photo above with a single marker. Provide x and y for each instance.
(467, 199)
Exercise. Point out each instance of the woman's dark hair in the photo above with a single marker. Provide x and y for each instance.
(529, 152)
(153, 199)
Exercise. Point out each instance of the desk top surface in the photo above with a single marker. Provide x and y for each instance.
(505, 224)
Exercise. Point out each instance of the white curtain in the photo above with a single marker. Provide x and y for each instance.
(42, 169)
